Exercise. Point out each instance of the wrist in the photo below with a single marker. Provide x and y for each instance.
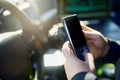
(107, 47)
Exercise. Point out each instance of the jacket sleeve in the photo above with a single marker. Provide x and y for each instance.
(114, 52)
(84, 76)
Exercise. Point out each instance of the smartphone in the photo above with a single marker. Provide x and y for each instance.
(75, 34)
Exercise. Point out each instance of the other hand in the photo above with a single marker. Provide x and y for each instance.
(97, 43)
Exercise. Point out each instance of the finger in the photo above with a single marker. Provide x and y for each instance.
(88, 57)
(90, 61)
(90, 35)
(66, 49)
(86, 28)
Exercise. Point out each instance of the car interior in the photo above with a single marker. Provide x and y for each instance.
(32, 35)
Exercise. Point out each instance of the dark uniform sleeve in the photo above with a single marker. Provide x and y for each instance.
(114, 52)
(84, 76)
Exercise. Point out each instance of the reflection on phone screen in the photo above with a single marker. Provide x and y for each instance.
(80, 52)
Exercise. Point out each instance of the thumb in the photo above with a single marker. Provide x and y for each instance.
(90, 61)
(88, 57)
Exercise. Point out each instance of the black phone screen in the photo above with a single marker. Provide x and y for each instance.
(75, 32)
(75, 35)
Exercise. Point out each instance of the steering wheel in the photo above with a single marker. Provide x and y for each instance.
(20, 52)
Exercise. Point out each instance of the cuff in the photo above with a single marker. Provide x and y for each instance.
(84, 76)
(113, 52)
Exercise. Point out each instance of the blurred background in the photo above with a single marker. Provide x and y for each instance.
(102, 15)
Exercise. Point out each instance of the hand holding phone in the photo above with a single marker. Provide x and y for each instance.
(75, 35)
